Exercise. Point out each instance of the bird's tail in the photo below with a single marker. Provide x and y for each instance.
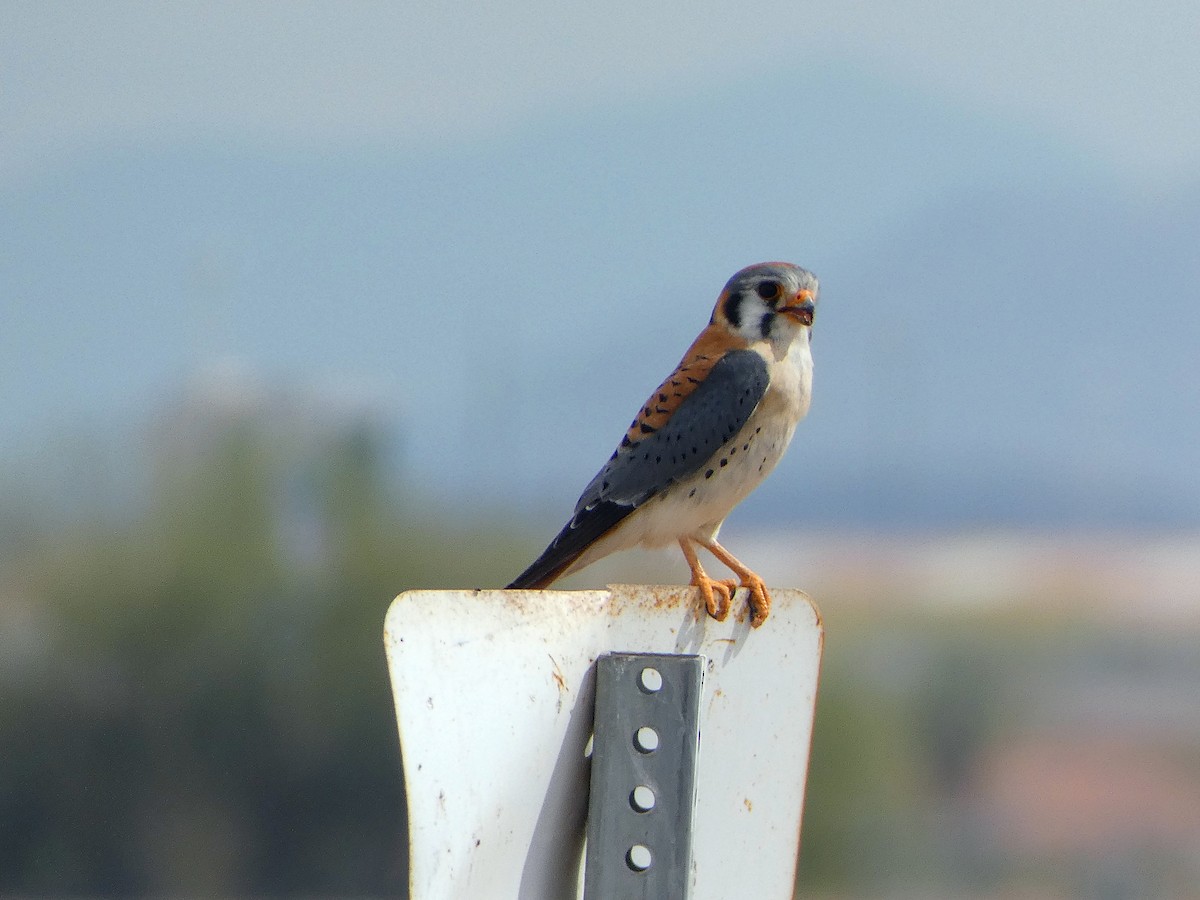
(546, 569)
(539, 576)
(585, 528)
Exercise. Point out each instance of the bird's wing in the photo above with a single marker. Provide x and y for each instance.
(705, 419)
(713, 411)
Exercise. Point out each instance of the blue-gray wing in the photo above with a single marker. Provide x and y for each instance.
(704, 422)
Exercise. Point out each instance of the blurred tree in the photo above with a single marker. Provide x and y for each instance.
(865, 778)
(210, 713)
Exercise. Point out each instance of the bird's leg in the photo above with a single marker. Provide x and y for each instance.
(760, 598)
(717, 594)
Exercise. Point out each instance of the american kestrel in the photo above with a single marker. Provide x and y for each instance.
(704, 440)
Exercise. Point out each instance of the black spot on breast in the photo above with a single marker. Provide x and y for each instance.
(724, 463)
(647, 429)
(692, 492)
(708, 474)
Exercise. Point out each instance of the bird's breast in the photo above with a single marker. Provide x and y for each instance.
(789, 393)
(701, 501)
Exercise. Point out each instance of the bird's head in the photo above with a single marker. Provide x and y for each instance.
(769, 301)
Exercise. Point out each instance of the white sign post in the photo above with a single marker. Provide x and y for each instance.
(494, 696)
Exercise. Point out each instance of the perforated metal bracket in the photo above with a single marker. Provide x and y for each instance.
(646, 738)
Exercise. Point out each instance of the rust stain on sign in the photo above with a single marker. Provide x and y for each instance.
(655, 596)
(559, 678)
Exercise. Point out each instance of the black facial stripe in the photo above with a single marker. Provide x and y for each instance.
(764, 325)
(733, 309)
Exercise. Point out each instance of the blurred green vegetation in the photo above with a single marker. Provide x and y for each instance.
(195, 698)
(902, 712)
(195, 702)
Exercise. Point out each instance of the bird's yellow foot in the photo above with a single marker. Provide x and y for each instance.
(758, 600)
(718, 595)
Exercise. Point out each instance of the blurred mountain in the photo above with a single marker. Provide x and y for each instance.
(1006, 333)
(1019, 358)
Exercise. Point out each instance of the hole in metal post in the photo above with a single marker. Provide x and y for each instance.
(642, 799)
(646, 739)
(650, 680)
(638, 858)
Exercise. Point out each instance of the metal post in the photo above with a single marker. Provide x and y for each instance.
(646, 737)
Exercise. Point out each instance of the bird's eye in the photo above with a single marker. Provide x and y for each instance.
(768, 290)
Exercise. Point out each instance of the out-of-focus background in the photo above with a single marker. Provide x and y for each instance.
(302, 305)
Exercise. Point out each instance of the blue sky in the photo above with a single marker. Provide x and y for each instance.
(1114, 79)
(393, 206)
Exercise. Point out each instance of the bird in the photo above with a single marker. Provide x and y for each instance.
(709, 435)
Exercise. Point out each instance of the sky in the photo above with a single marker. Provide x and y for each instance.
(393, 206)
(1113, 78)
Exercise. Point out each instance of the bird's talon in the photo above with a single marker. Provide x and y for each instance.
(728, 589)
(718, 596)
(758, 601)
(719, 600)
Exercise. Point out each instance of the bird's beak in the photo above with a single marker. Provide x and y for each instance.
(801, 308)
